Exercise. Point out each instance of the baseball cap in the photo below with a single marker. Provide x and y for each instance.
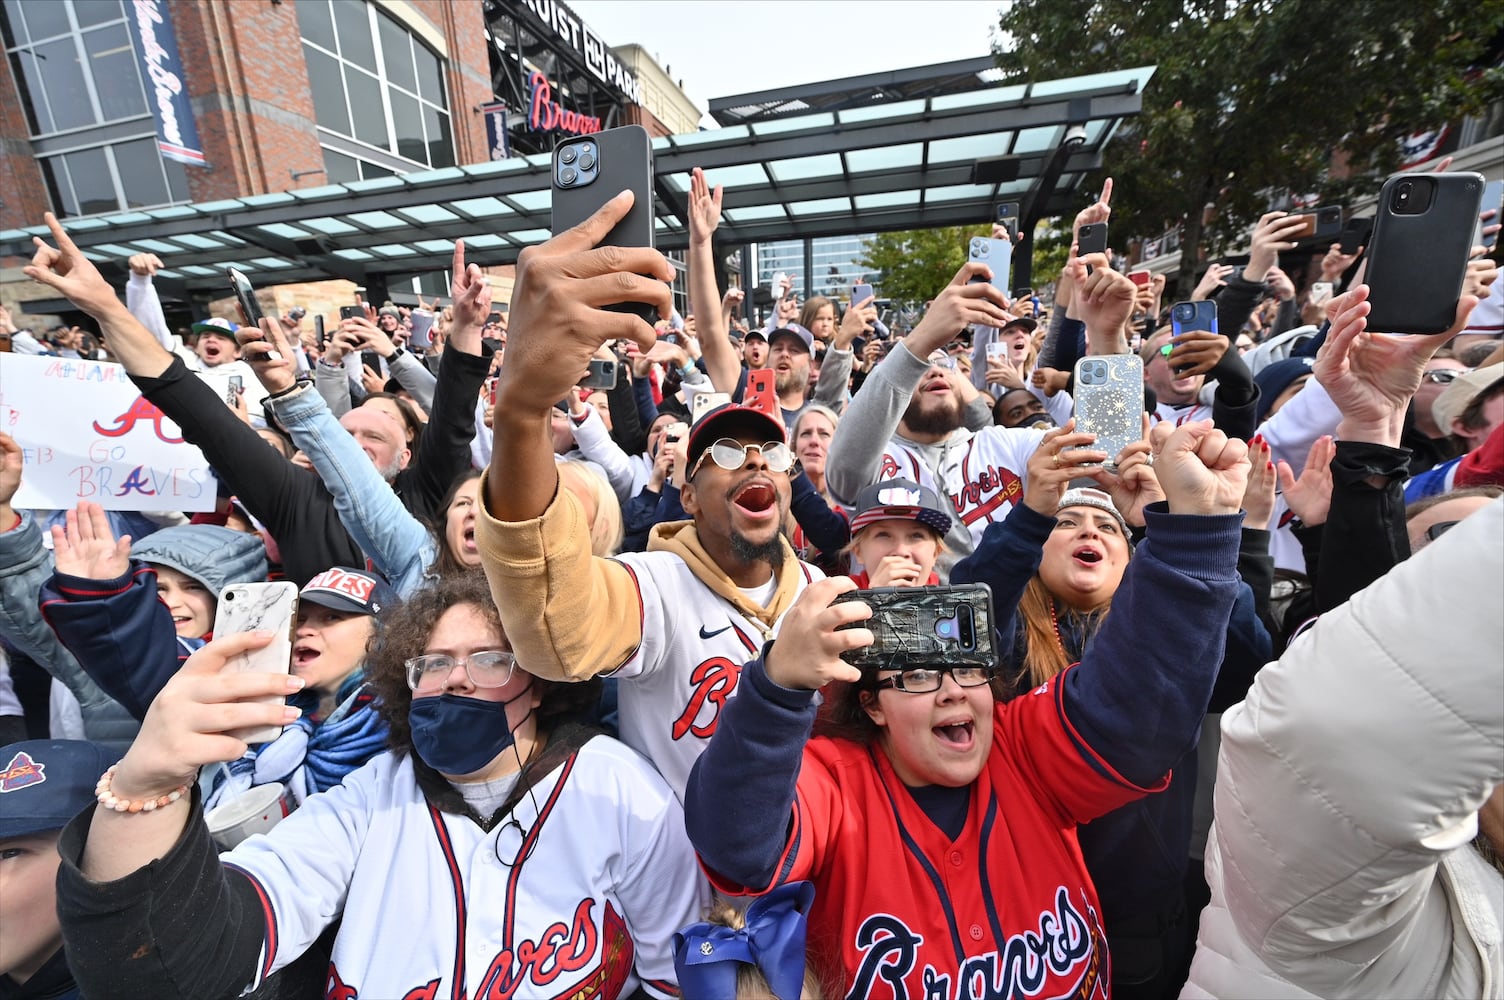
(1027, 322)
(758, 334)
(342, 588)
(794, 330)
(901, 498)
(1085, 496)
(1460, 394)
(731, 420)
(215, 324)
(45, 783)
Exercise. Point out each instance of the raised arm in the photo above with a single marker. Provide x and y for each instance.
(142, 300)
(567, 613)
(704, 216)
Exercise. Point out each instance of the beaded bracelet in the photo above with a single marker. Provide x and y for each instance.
(110, 800)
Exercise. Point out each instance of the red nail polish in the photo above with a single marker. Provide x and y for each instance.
(1270, 465)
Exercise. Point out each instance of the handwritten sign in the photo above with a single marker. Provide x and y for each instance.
(86, 433)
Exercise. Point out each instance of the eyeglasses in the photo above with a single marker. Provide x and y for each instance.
(943, 362)
(1443, 376)
(486, 668)
(1167, 350)
(731, 455)
(1440, 528)
(923, 680)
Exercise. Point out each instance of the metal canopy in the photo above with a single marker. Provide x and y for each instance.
(927, 161)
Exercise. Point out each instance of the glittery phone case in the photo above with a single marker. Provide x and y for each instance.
(1109, 398)
(925, 626)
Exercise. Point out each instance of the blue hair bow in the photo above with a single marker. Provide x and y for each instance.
(707, 955)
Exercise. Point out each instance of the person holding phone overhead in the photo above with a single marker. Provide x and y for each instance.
(970, 806)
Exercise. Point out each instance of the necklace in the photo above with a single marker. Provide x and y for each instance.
(1055, 621)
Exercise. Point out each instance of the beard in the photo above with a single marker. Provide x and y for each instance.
(748, 551)
(926, 416)
(794, 380)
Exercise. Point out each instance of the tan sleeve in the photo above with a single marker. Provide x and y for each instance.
(569, 615)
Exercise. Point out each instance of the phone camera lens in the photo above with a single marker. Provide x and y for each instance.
(567, 175)
(586, 161)
(567, 154)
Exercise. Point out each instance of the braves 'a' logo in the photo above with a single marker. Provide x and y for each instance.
(1024, 965)
(21, 772)
(998, 481)
(714, 680)
(888, 469)
(140, 410)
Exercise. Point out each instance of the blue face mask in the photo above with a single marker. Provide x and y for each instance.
(456, 735)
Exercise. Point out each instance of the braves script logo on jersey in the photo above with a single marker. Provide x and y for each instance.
(979, 496)
(559, 950)
(1066, 943)
(713, 680)
(21, 772)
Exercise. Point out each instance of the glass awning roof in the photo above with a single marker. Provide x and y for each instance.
(931, 161)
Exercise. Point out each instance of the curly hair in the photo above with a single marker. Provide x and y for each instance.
(405, 635)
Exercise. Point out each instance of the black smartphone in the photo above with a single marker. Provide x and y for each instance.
(352, 312)
(1355, 234)
(589, 171)
(1417, 258)
(602, 375)
(946, 626)
(1320, 222)
(245, 295)
(1091, 238)
(318, 331)
(371, 360)
(493, 318)
(1007, 215)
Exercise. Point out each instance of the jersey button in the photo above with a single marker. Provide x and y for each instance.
(956, 859)
(976, 932)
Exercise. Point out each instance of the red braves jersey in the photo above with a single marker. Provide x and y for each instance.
(1007, 909)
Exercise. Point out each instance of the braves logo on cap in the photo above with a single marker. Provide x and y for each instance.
(349, 584)
(21, 772)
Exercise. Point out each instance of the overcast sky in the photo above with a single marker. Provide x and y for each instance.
(722, 47)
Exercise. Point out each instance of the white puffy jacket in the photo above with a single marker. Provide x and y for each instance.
(1348, 787)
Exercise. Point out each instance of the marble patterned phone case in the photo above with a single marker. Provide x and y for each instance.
(259, 607)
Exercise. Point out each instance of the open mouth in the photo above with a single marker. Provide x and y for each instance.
(178, 621)
(468, 538)
(756, 498)
(302, 656)
(958, 735)
(1087, 555)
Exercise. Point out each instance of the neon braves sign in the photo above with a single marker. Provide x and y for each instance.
(547, 114)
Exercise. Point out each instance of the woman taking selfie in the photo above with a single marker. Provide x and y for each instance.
(501, 848)
(966, 805)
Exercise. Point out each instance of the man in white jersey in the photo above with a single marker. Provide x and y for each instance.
(910, 419)
(675, 623)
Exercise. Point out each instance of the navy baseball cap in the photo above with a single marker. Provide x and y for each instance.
(728, 420)
(355, 591)
(900, 498)
(45, 783)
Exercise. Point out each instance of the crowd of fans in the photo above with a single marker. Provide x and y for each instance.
(566, 681)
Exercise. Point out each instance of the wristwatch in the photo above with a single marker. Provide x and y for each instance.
(396, 353)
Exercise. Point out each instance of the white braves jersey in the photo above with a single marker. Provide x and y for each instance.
(982, 475)
(1181, 413)
(694, 643)
(579, 897)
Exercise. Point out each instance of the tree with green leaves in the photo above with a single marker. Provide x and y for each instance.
(1256, 98)
(917, 263)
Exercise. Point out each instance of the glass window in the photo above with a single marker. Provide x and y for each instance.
(38, 116)
(328, 90)
(92, 12)
(141, 173)
(93, 184)
(12, 24)
(352, 23)
(382, 86)
(45, 20)
(67, 93)
(55, 173)
(113, 63)
(339, 168)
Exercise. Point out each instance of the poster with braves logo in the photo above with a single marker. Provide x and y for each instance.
(86, 433)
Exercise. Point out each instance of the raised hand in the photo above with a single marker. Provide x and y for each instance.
(1051, 380)
(1002, 371)
(1103, 299)
(857, 321)
(1279, 284)
(469, 289)
(1098, 211)
(1335, 264)
(1258, 499)
(807, 653)
(959, 304)
(12, 461)
(1215, 277)
(1052, 467)
(896, 571)
(1201, 470)
(704, 207)
(189, 722)
(371, 380)
(66, 269)
(267, 352)
(1310, 497)
(87, 547)
(1274, 233)
(558, 315)
(1197, 352)
(144, 264)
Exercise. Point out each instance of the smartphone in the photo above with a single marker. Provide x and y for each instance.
(493, 318)
(249, 308)
(1007, 215)
(1140, 278)
(1493, 197)
(259, 607)
(602, 375)
(861, 294)
(352, 312)
(1188, 316)
(491, 390)
(589, 171)
(702, 404)
(1321, 292)
(1319, 222)
(318, 331)
(232, 392)
(997, 349)
(360, 296)
(945, 626)
(1109, 401)
(1355, 234)
(1091, 238)
(371, 360)
(1417, 258)
(996, 254)
(759, 394)
(678, 429)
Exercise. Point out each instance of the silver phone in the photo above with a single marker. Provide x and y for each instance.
(259, 607)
